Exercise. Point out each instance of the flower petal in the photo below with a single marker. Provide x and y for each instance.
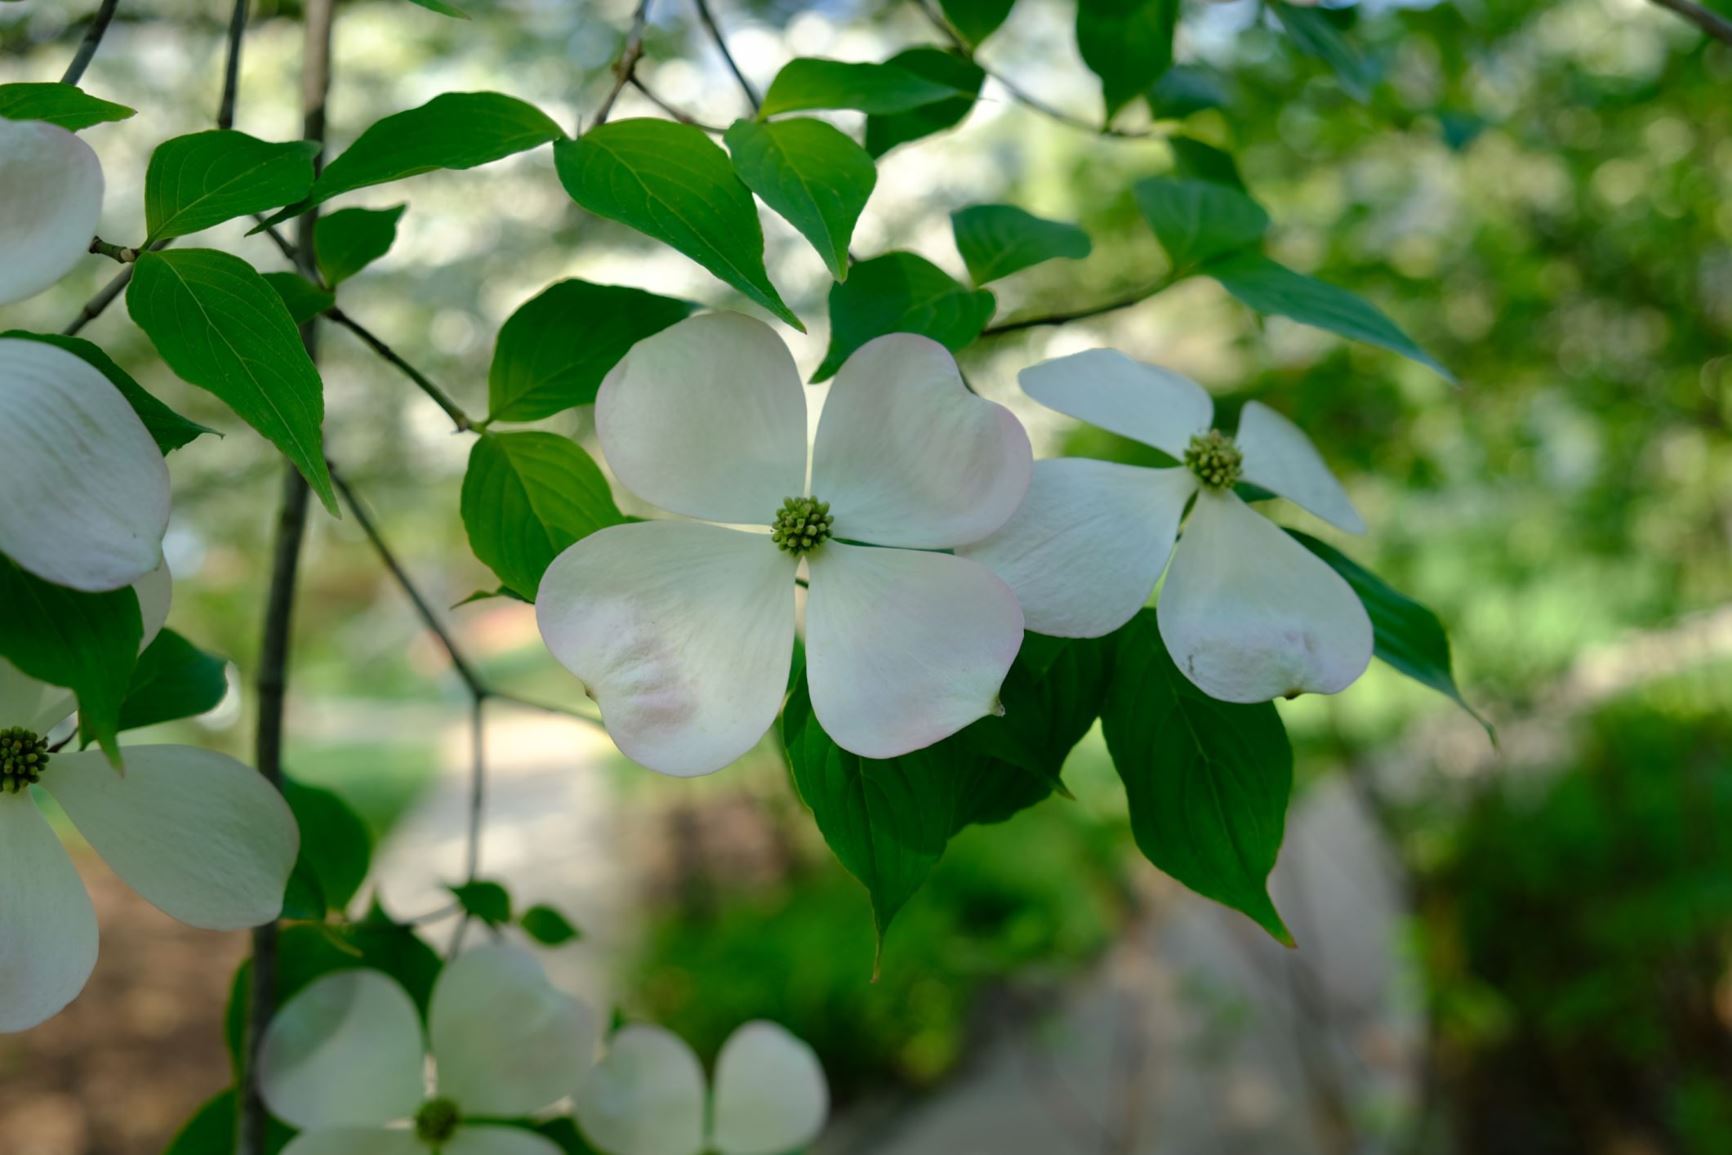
(355, 1141)
(683, 634)
(506, 1043)
(155, 592)
(771, 1096)
(86, 488)
(1084, 551)
(498, 1141)
(1106, 388)
(1249, 614)
(47, 926)
(707, 418)
(907, 456)
(199, 835)
(50, 201)
(904, 648)
(345, 1052)
(1280, 458)
(646, 1097)
(31, 704)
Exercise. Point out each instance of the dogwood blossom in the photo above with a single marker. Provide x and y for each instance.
(683, 631)
(50, 200)
(647, 1095)
(1247, 612)
(197, 834)
(346, 1059)
(86, 491)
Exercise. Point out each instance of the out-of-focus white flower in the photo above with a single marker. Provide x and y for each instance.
(1247, 613)
(647, 1095)
(346, 1059)
(683, 631)
(50, 201)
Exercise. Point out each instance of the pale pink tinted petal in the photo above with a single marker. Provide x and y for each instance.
(771, 1097)
(646, 1097)
(345, 1052)
(1106, 388)
(50, 200)
(47, 925)
(1280, 458)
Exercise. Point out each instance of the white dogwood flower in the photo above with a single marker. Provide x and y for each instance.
(683, 631)
(1247, 613)
(197, 834)
(86, 491)
(50, 201)
(647, 1095)
(346, 1059)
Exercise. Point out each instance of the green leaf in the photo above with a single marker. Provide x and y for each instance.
(173, 679)
(975, 20)
(554, 351)
(1273, 289)
(998, 240)
(812, 174)
(169, 429)
(348, 240)
(672, 183)
(443, 8)
(526, 497)
(221, 326)
(811, 82)
(304, 299)
(206, 178)
(1197, 221)
(1194, 160)
(336, 847)
(1127, 43)
(901, 293)
(1184, 90)
(86, 642)
(487, 901)
(547, 926)
(1207, 781)
(1051, 698)
(212, 1130)
(1315, 33)
(61, 104)
(884, 133)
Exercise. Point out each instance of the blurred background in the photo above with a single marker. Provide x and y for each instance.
(1520, 947)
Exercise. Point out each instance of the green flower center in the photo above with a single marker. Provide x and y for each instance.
(437, 1121)
(801, 525)
(1215, 460)
(23, 756)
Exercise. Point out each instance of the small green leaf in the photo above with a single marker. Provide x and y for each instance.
(221, 326)
(671, 182)
(61, 104)
(1194, 160)
(336, 847)
(487, 901)
(810, 82)
(1207, 781)
(443, 8)
(998, 240)
(547, 926)
(812, 174)
(1051, 698)
(1314, 32)
(304, 299)
(526, 497)
(901, 293)
(206, 178)
(169, 429)
(1184, 90)
(212, 1130)
(1127, 43)
(1275, 290)
(349, 240)
(554, 351)
(1198, 221)
(975, 20)
(885, 132)
(173, 679)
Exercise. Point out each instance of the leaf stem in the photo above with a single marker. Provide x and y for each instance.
(92, 41)
(721, 42)
(625, 66)
(120, 253)
(1017, 324)
(678, 114)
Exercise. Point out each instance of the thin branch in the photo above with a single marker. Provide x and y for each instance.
(113, 252)
(441, 398)
(477, 806)
(1712, 23)
(1018, 324)
(721, 42)
(678, 114)
(91, 42)
(232, 67)
(626, 65)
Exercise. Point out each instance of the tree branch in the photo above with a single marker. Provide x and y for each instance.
(232, 67)
(626, 65)
(1708, 21)
(459, 418)
(721, 42)
(91, 42)
(677, 113)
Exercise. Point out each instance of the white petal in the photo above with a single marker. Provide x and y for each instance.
(50, 200)
(1249, 614)
(682, 632)
(31, 704)
(345, 1052)
(907, 456)
(498, 1141)
(1084, 551)
(355, 1141)
(904, 648)
(506, 1043)
(646, 1097)
(707, 418)
(771, 1096)
(155, 592)
(199, 835)
(47, 926)
(86, 488)
(1280, 458)
(1106, 388)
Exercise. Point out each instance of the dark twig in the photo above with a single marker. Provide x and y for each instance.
(113, 252)
(91, 42)
(678, 114)
(1017, 324)
(721, 42)
(626, 65)
(441, 398)
(1710, 22)
(232, 67)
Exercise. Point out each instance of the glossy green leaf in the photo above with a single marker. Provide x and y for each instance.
(1051, 698)
(526, 497)
(206, 178)
(555, 349)
(169, 429)
(902, 293)
(1194, 160)
(998, 240)
(547, 926)
(1207, 781)
(173, 679)
(348, 240)
(885, 132)
(487, 901)
(1315, 33)
(1197, 221)
(212, 1130)
(221, 326)
(304, 299)
(61, 104)
(1127, 43)
(672, 183)
(336, 846)
(811, 83)
(975, 20)
(811, 173)
(443, 7)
